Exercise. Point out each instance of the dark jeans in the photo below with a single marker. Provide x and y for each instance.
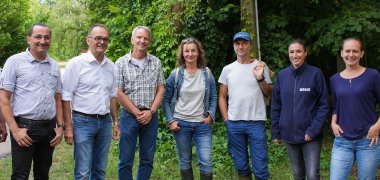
(40, 152)
(305, 159)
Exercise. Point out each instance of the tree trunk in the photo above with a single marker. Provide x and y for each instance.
(248, 21)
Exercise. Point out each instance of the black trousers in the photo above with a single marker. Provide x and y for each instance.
(40, 152)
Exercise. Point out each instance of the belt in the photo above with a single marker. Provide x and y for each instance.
(97, 116)
(143, 108)
(42, 122)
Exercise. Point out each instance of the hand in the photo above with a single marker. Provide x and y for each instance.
(58, 137)
(116, 131)
(336, 129)
(277, 142)
(174, 126)
(373, 135)
(207, 120)
(258, 70)
(308, 138)
(69, 135)
(21, 137)
(144, 117)
(3, 132)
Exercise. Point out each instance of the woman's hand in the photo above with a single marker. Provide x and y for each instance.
(174, 126)
(336, 129)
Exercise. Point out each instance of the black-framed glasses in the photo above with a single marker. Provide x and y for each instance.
(100, 38)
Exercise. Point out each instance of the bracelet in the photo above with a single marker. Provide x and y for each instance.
(151, 111)
(260, 80)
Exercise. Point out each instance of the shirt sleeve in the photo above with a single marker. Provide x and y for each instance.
(70, 80)
(8, 75)
(119, 74)
(223, 77)
(161, 78)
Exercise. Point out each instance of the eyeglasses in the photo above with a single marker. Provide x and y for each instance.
(100, 38)
(188, 40)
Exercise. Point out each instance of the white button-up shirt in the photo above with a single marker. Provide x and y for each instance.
(89, 85)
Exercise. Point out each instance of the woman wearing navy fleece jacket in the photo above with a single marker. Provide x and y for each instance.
(298, 112)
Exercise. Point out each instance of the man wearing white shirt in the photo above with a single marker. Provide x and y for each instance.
(89, 96)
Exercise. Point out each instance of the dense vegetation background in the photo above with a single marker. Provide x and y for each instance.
(322, 23)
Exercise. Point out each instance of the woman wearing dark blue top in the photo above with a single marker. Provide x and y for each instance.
(298, 111)
(355, 123)
(189, 106)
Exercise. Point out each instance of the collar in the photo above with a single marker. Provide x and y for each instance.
(89, 57)
(129, 57)
(299, 70)
(31, 58)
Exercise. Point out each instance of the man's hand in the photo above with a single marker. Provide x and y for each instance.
(58, 137)
(116, 131)
(3, 131)
(144, 117)
(21, 137)
(69, 134)
(258, 70)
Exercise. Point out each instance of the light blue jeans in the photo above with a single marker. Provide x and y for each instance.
(130, 131)
(346, 152)
(201, 133)
(240, 134)
(92, 140)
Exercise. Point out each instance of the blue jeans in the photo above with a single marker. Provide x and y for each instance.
(346, 152)
(201, 133)
(239, 134)
(92, 140)
(304, 159)
(130, 129)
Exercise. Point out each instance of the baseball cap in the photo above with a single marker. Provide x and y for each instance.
(242, 35)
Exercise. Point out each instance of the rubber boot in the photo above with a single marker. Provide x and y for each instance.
(207, 176)
(246, 177)
(187, 174)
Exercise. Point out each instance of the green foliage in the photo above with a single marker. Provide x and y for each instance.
(323, 24)
(69, 24)
(208, 21)
(13, 27)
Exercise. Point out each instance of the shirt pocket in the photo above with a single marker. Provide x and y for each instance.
(52, 79)
(151, 78)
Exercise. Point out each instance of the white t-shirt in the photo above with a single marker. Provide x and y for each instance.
(245, 98)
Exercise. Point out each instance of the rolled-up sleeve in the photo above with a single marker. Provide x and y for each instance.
(8, 75)
(70, 81)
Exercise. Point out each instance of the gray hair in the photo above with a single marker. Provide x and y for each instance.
(142, 27)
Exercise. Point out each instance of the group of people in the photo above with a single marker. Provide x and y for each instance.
(40, 108)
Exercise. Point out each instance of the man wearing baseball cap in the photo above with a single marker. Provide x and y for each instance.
(246, 81)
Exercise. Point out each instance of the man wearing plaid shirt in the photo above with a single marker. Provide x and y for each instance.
(140, 82)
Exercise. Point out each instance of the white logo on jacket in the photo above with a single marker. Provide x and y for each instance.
(305, 89)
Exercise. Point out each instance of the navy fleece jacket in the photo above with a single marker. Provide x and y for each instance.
(299, 104)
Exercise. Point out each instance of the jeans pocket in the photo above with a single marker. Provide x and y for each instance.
(79, 120)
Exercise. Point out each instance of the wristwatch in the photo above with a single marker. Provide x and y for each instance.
(61, 126)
